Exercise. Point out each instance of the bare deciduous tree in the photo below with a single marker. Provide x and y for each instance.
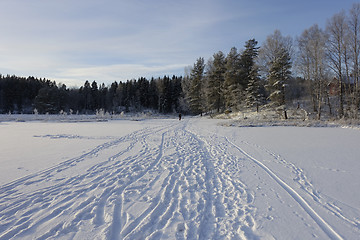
(354, 40)
(336, 30)
(312, 63)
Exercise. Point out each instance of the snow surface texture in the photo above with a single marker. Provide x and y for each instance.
(170, 179)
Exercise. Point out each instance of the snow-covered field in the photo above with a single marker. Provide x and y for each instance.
(170, 179)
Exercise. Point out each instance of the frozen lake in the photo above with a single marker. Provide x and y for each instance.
(170, 179)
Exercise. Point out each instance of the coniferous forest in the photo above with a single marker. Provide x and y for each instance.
(26, 95)
(318, 71)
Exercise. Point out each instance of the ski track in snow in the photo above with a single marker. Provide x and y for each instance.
(160, 182)
(304, 183)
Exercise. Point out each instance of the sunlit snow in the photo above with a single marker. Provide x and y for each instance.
(171, 179)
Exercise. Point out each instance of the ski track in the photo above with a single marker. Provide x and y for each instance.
(306, 185)
(296, 196)
(302, 180)
(160, 182)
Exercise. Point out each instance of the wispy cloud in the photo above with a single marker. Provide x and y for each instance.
(73, 41)
(109, 41)
(117, 72)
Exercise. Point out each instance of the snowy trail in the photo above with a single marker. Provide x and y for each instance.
(170, 180)
(72, 189)
(323, 225)
(299, 177)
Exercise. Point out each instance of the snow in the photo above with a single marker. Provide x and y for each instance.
(171, 179)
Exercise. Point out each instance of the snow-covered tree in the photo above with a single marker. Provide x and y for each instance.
(279, 73)
(270, 49)
(275, 56)
(247, 61)
(254, 96)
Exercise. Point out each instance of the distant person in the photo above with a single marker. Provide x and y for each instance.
(179, 116)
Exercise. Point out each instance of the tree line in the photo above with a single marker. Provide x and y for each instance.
(318, 71)
(29, 95)
(235, 81)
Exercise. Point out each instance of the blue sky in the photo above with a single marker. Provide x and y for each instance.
(114, 40)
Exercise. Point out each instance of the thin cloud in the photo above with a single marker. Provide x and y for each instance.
(118, 40)
(117, 72)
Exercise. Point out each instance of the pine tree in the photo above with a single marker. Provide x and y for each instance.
(232, 87)
(85, 93)
(254, 95)
(215, 82)
(176, 92)
(94, 99)
(247, 61)
(153, 95)
(165, 98)
(195, 94)
(279, 73)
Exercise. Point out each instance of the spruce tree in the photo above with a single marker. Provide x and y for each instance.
(247, 61)
(279, 73)
(254, 96)
(215, 82)
(195, 94)
(153, 95)
(232, 87)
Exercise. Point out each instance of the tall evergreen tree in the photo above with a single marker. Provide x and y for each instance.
(232, 87)
(85, 93)
(195, 94)
(275, 55)
(153, 95)
(94, 96)
(165, 98)
(279, 73)
(254, 96)
(176, 92)
(215, 82)
(247, 61)
(48, 100)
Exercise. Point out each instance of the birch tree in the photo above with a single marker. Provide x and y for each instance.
(336, 30)
(312, 63)
(354, 40)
